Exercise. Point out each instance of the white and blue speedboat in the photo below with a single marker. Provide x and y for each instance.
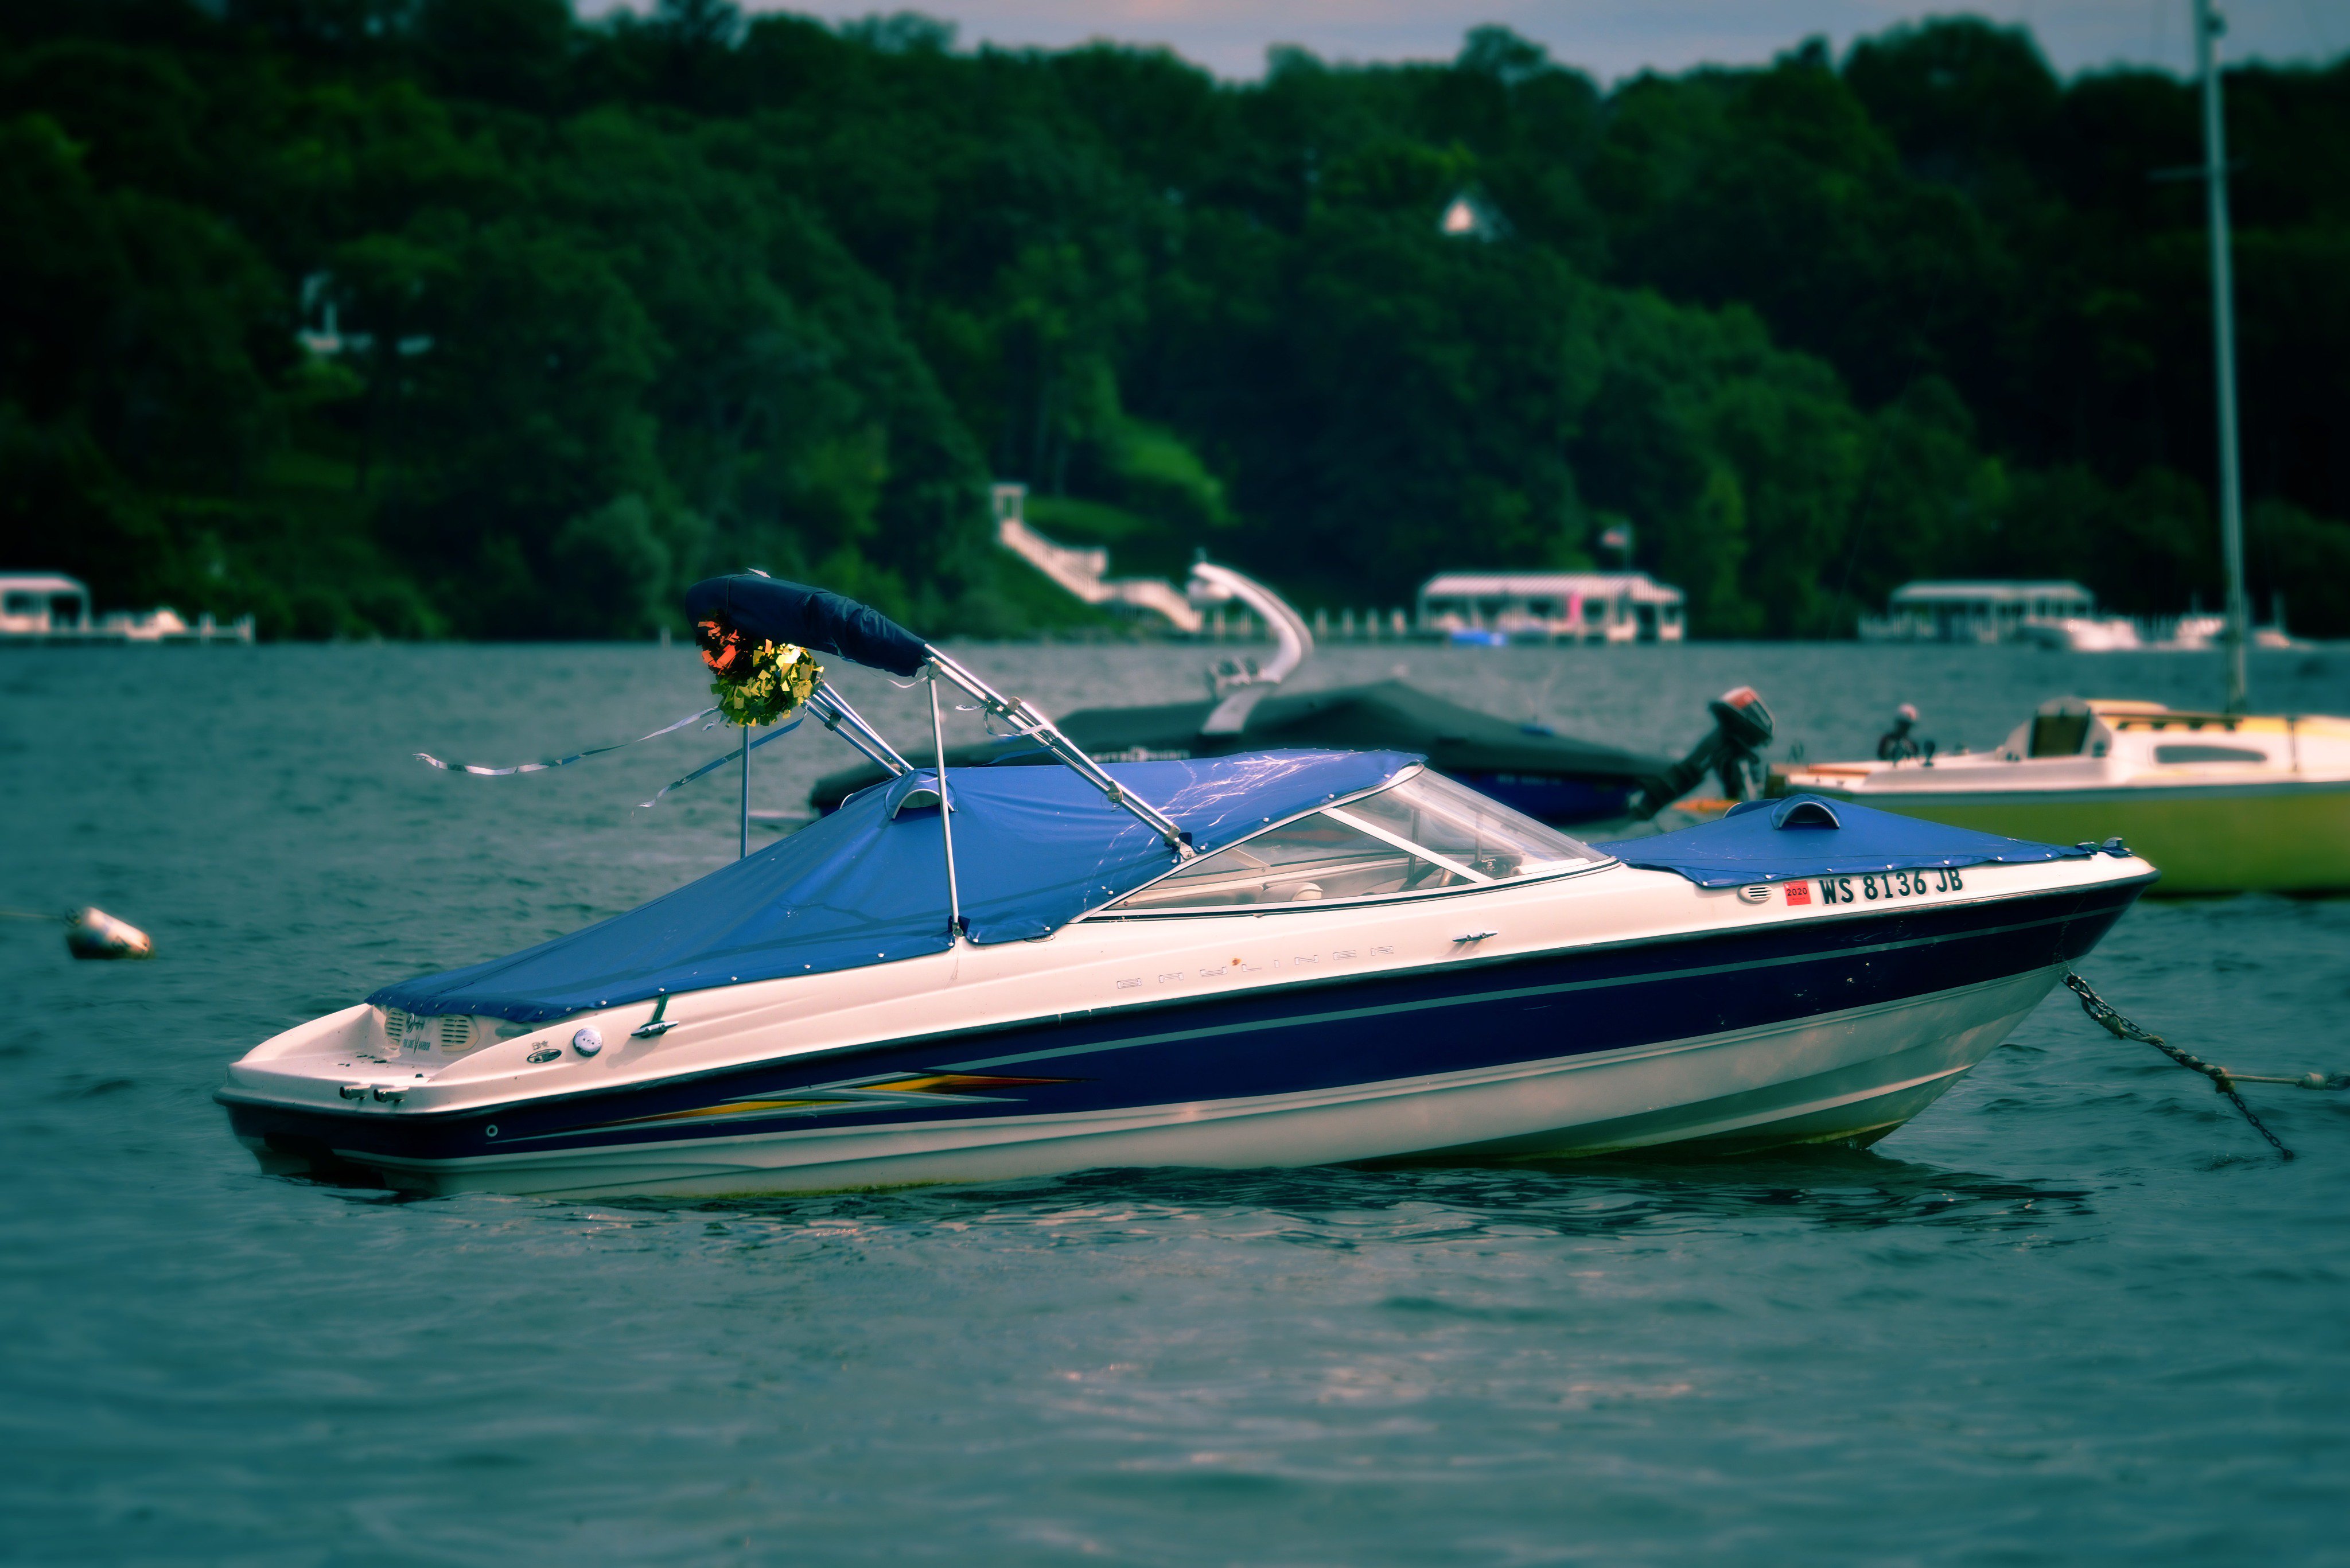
(1284, 958)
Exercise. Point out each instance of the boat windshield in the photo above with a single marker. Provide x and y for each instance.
(1421, 835)
(1460, 825)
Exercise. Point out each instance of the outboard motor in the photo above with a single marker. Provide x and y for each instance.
(1741, 728)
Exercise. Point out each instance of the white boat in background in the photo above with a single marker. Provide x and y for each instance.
(2195, 632)
(1272, 959)
(2199, 633)
(50, 608)
(2225, 802)
(2059, 616)
(2086, 634)
(2221, 802)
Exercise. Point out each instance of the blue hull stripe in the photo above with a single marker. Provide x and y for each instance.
(1397, 1009)
(1460, 1018)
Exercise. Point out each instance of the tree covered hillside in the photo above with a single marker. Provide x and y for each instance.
(430, 317)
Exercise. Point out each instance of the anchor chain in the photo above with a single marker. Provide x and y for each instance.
(2121, 1028)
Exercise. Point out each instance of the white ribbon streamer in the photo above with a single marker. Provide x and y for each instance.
(717, 762)
(479, 772)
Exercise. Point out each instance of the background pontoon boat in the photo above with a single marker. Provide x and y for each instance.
(1282, 958)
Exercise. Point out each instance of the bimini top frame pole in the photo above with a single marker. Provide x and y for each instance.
(946, 811)
(768, 607)
(1036, 727)
(833, 710)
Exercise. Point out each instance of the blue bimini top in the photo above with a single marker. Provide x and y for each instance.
(1808, 835)
(1034, 848)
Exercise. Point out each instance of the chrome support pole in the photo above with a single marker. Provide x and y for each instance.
(835, 713)
(946, 812)
(1037, 728)
(743, 845)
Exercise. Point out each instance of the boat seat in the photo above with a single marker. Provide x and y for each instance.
(2059, 735)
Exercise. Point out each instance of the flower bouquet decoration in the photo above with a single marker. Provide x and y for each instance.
(759, 682)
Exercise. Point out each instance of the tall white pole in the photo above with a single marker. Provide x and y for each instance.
(2207, 26)
(946, 823)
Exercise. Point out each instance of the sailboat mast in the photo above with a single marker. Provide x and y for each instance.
(2207, 26)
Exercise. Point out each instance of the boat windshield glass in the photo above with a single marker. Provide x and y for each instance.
(1467, 828)
(1421, 835)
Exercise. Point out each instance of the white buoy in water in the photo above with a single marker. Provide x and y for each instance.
(94, 934)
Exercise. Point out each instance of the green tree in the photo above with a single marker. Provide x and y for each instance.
(415, 316)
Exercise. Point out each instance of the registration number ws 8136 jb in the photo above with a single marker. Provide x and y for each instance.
(1869, 887)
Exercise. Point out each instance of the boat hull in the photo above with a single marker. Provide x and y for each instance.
(1821, 1031)
(2289, 838)
(1850, 1078)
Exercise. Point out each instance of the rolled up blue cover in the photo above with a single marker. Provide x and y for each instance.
(1810, 836)
(778, 611)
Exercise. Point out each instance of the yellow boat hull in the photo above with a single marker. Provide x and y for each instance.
(2253, 838)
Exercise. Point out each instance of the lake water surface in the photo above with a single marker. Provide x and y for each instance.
(2076, 1310)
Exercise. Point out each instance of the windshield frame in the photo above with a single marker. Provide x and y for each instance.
(1479, 882)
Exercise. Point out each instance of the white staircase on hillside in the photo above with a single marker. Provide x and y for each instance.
(1080, 570)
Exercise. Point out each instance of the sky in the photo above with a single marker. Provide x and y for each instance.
(1609, 38)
